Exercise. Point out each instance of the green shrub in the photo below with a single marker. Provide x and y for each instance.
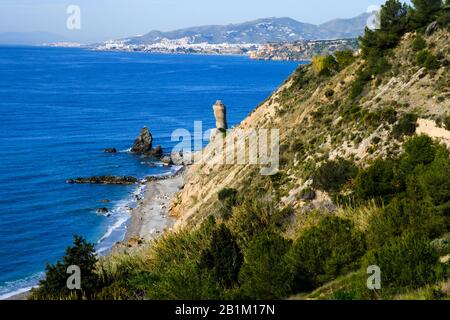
(323, 65)
(344, 58)
(228, 195)
(332, 175)
(176, 266)
(124, 277)
(223, 257)
(447, 122)
(444, 18)
(393, 24)
(424, 12)
(376, 181)
(54, 286)
(428, 60)
(357, 88)
(321, 253)
(228, 199)
(254, 217)
(420, 150)
(401, 215)
(298, 146)
(406, 126)
(419, 43)
(376, 66)
(406, 261)
(308, 194)
(388, 115)
(376, 140)
(329, 93)
(265, 273)
(435, 178)
(184, 280)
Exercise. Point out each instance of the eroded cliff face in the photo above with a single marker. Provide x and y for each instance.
(204, 179)
(317, 122)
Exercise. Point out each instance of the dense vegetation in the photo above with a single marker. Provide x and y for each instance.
(396, 19)
(248, 256)
(393, 212)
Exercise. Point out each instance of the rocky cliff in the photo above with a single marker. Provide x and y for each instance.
(318, 122)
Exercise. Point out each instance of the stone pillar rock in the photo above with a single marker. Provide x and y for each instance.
(220, 113)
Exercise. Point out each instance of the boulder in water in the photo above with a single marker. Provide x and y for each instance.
(157, 152)
(104, 180)
(110, 150)
(102, 210)
(143, 143)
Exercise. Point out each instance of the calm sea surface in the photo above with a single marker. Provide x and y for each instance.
(59, 108)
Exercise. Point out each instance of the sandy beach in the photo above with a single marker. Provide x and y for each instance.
(150, 219)
(151, 216)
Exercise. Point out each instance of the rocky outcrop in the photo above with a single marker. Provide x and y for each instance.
(432, 28)
(110, 150)
(157, 152)
(104, 180)
(144, 142)
(144, 145)
(102, 210)
(167, 160)
(220, 113)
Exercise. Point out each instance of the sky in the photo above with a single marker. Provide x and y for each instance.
(112, 19)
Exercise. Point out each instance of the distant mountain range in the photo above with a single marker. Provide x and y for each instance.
(259, 32)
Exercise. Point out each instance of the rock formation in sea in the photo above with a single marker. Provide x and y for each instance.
(144, 142)
(110, 150)
(220, 113)
(102, 210)
(104, 180)
(157, 152)
(144, 145)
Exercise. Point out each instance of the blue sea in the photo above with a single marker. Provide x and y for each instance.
(59, 108)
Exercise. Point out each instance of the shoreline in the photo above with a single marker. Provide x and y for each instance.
(151, 217)
(148, 220)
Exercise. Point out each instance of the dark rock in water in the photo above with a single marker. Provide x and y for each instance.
(104, 180)
(432, 28)
(157, 152)
(110, 150)
(143, 143)
(102, 210)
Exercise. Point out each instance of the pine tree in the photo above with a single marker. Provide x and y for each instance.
(54, 286)
(425, 11)
(224, 257)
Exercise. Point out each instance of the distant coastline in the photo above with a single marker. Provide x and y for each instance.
(110, 99)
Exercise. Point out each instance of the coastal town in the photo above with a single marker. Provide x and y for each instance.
(285, 51)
